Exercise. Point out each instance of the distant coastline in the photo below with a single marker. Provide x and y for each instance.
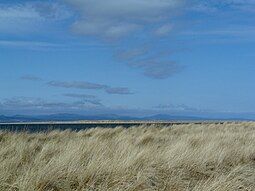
(110, 118)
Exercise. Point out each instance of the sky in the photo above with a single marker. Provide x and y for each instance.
(127, 57)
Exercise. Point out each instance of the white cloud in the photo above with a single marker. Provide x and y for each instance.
(109, 30)
(125, 9)
(118, 18)
(217, 5)
(28, 44)
(30, 16)
(164, 30)
(34, 11)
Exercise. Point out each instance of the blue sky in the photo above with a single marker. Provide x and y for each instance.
(132, 57)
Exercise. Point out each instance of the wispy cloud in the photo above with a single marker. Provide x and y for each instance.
(77, 85)
(118, 90)
(80, 96)
(33, 10)
(85, 98)
(93, 102)
(229, 31)
(30, 78)
(164, 30)
(29, 103)
(80, 85)
(157, 69)
(51, 45)
(29, 17)
(131, 54)
(117, 18)
(226, 5)
(88, 85)
(153, 63)
(29, 44)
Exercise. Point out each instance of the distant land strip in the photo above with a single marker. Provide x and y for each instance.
(118, 122)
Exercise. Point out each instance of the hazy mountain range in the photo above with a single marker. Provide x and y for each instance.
(77, 117)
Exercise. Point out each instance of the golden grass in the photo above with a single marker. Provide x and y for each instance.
(180, 158)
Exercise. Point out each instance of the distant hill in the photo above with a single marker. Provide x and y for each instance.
(62, 117)
(172, 117)
(76, 117)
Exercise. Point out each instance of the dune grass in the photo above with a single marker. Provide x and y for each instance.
(179, 158)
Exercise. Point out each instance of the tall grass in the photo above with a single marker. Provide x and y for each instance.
(179, 158)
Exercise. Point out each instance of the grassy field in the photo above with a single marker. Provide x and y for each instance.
(205, 157)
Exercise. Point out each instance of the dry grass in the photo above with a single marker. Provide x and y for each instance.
(181, 158)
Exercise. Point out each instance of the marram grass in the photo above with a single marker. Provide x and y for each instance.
(179, 158)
